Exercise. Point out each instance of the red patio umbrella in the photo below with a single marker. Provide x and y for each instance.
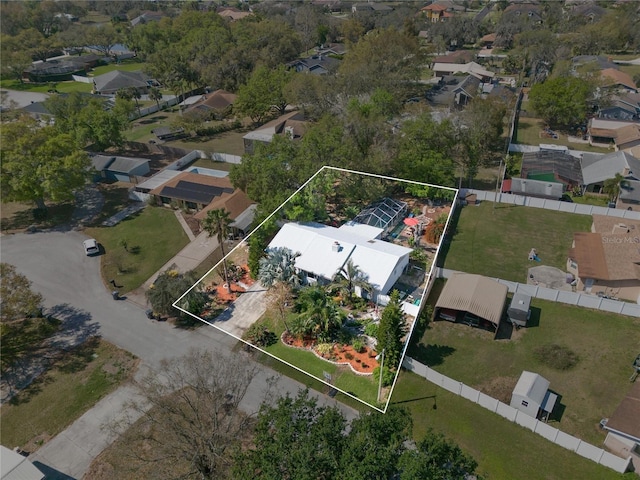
(411, 221)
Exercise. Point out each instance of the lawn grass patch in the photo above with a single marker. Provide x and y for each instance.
(17, 216)
(503, 450)
(214, 165)
(73, 384)
(592, 199)
(129, 65)
(153, 237)
(495, 242)
(631, 70)
(62, 87)
(586, 356)
(230, 142)
(306, 380)
(528, 133)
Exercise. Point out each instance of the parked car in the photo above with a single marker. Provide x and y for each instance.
(91, 246)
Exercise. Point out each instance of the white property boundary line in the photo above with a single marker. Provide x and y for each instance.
(429, 277)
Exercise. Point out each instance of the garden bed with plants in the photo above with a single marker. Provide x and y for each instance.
(361, 359)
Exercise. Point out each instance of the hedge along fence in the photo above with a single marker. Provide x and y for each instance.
(552, 434)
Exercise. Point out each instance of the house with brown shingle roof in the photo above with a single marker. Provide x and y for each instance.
(216, 105)
(606, 261)
(201, 193)
(291, 124)
(618, 79)
(232, 14)
(623, 427)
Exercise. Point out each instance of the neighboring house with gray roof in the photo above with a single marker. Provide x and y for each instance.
(320, 64)
(629, 197)
(146, 17)
(111, 82)
(121, 169)
(595, 173)
(454, 92)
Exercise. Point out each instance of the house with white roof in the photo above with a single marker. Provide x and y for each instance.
(325, 250)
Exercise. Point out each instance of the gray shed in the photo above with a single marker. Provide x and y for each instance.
(532, 396)
(519, 310)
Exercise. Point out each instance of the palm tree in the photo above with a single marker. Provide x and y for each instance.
(156, 95)
(279, 267)
(349, 277)
(217, 222)
(613, 186)
(134, 93)
(319, 312)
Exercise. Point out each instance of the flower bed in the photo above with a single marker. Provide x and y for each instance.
(361, 363)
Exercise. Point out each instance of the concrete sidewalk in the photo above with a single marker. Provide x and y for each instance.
(187, 259)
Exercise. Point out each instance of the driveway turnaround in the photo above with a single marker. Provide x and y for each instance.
(70, 281)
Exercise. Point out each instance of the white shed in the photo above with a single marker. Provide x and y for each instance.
(532, 396)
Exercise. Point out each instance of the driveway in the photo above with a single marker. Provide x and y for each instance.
(70, 282)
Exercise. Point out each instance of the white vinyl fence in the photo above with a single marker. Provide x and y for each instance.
(225, 157)
(567, 207)
(80, 78)
(562, 296)
(552, 434)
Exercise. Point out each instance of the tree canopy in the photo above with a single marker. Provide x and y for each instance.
(297, 439)
(40, 163)
(17, 299)
(190, 415)
(391, 331)
(561, 101)
(168, 287)
(87, 119)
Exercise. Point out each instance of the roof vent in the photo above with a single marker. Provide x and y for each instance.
(336, 247)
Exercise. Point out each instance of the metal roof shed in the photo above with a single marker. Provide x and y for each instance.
(481, 296)
(519, 310)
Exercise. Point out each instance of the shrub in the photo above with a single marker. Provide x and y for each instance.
(324, 348)
(556, 356)
(358, 345)
(387, 376)
(348, 356)
(371, 330)
(258, 334)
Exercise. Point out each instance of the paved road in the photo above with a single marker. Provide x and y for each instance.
(71, 282)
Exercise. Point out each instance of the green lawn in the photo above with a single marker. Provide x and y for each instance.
(62, 87)
(306, 380)
(226, 142)
(130, 65)
(503, 450)
(604, 343)
(528, 133)
(591, 199)
(153, 236)
(61, 395)
(496, 241)
(632, 70)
